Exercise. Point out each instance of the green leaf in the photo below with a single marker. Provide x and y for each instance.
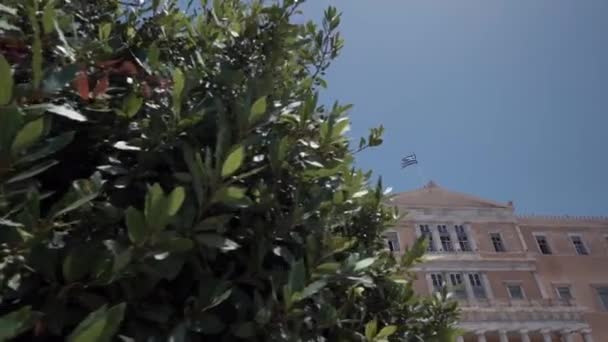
(76, 204)
(415, 252)
(156, 209)
(11, 121)
(234, 161)
(175, 200)
(99, 326)
(153, 55)
(371, 328)
(363, 264)
(136, 225)
(178, 87)
(28, 135)
(232, 196)
(213, 223)
(217, 241)
(31, 172)
(15, 323)
(297, 276)
(9, 10)
(36, 46)
(313, 288)
(386, 331)
(218, 299)
(131, 105)
(328, 267)
(4, 25)
(114, 315)
(105, 30)
(48, 18)
(6, 81)
(65, 111)
(49, 147)
(257, 110)
(340, 128)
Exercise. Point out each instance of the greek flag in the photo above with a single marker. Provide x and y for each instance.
(408, 160)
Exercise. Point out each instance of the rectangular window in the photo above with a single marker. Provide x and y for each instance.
(437, 280)
(602, 293)
(477, 285)
(463, 238)
(444, 238)
(543, 244)
(426, 232)
(578, 244)
(515, 291)
(457, 286)
(392, 240)
(497, 242)
(563, 292)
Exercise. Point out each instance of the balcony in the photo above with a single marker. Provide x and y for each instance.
(512, 315)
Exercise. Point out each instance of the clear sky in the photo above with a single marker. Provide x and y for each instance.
(507, 99)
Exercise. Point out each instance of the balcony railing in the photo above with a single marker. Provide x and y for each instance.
(521, 310)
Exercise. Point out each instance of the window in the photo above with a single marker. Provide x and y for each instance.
(602, 293)
(579, 246)
(457, 285)
(426, 232)
(543, 244)
(515, 291)
(497, 242)
(437, 280)
(477, 285)
(444, 238)
(563, 292)
(463, 239)
(392, 240)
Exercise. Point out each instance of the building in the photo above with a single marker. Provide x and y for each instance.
(528, 279)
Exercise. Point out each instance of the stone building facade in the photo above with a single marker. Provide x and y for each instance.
(528, 279)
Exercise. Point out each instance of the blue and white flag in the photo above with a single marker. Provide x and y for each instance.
(408, 160)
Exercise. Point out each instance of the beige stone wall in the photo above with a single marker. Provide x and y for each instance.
(522, 263)
(420, 284)
(499, 280)
(580, 272)
(507, 231)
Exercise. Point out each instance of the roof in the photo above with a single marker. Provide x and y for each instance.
(532, 220)
(433, 195)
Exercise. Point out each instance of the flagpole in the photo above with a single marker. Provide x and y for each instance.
(420, 177)
(412, 160)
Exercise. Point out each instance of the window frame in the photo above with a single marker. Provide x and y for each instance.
(471, 276)
(428, 234)
(444, 236)
(546, 238)
(582, 241)
(463, 238)
(437, 276)
(459, 290)
(508, 285)
(388, 241)
(556, 288)
(603, 306)
(502, 242)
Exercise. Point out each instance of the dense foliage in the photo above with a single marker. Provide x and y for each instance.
(166, 171)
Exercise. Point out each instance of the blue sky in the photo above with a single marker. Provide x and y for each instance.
(506, 100)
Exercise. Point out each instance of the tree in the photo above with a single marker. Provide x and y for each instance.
(167, 171)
